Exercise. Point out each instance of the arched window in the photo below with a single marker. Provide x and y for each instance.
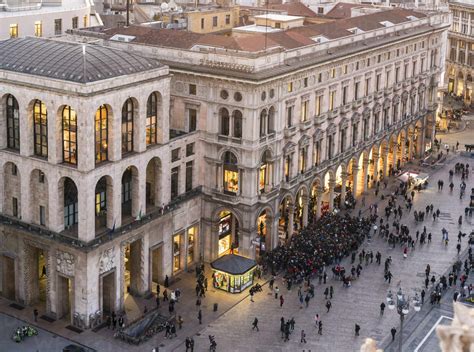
(101, 197)
(127, 126)
(271, 120)
(69, 135)
(40, 122)
(264, 173)
(127, 192)
(71, 214)
(151, 117)
(237, 116)
(101, 134)
(263, 123)
(224, 121)
(231, 173)
(13, 123)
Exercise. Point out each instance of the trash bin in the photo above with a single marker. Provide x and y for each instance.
(215, 307)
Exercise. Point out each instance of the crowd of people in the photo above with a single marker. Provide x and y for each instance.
(320, 244)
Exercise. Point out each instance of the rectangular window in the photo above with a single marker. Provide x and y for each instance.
(41, 177)
(214, 21)
(397, 74)
(227, 19)
(289, 116)
(231, 179)
(75, 22)
(305, 82)
(367, 86)
(175, 154)
(345, 69)
(58, 26)
(356, 90)
(332, 98)
(344, 95)
(290, 87)
(86, 21)
(191, 241)
(422, 66)
(174, 182)
(189, 149)
(42, 215)
(14, 30)
(14, 170)
(379, 59)
(304, 110)
(413, 69)
(387, 79)
(357, 66)
(333, 73)
(38, 29)
(192, 119)
(15, 207)
(202, 23)
(189, 176)
(319, 101)
(378, 78)
(405, 72)
(320, 77)
(192, 89)
(368, 62)
(287, 168)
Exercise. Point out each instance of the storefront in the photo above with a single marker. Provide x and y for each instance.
(233, 273)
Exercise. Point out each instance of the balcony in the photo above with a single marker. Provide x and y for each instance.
(378, 94)
(269, 137)
(406, 83)
(367, 99)
(346, 108)
(356, 104)
(397, 86)
(229, 139)
(305, 125)
(333, 114)
(268, 194)
(388, 91)
(319, 120)
(414, 80)
(289, 132)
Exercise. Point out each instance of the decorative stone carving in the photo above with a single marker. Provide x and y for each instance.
(65, 263)
(459, 336)
(106, 260)
(79, 320)
(95, 319)
(369, 345)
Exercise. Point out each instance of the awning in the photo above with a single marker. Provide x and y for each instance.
(233, 264)
(416, 176)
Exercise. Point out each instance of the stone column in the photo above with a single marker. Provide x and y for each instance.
(355, 174)
(114, 203)
(86, 226)
(56, 223)
(274, 233)
(375, 158)
(318, 203)
(305, 210)
(25, 197)
(26, 128)
(385, 161)
(291, 220)
(332, 184)
(343, 188)
(365, 168)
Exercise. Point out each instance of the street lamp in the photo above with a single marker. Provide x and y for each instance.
(402, 304)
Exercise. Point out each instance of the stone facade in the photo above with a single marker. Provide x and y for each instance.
(245, 154)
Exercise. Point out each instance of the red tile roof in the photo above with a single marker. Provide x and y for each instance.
(342, 10)
(294, 9)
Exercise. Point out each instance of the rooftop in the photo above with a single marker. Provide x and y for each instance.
(277, 17)
(233, 264)
(68, 61)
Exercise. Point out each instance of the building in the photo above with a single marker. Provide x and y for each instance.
(21, 18)
(255, 134)
(460, 55)
(87, 165)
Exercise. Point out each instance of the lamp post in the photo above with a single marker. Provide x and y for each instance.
(402, 304)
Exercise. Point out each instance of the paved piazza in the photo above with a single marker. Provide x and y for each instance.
(358, 304)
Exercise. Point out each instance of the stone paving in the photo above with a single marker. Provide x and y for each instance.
(358, 304)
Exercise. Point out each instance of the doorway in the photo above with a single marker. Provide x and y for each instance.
(65, 293)
(8, 277)
(156, 266)
(108, 293)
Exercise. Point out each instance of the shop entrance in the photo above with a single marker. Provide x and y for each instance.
(35, 263)
(64, 297)
(132, 267)
(8, 277)
(156, 258)
(108, 292)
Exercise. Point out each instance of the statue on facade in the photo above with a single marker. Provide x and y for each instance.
(459, 336)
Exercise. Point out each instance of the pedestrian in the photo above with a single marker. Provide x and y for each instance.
(316, 320)
(200, 316)
(326, 293)
(157, 301)
(382, 308)
(277, 290)
(270, 285)
(281, 301)
(188, 343)
(393, 331)
(255, 324)
(192, 344)
(165, 295)
(173, 331)
(331, 292)
(423, 296)
(180, 322)
(251, 296)
(166, 281)
(328, 305)
(357, 329)
(320, 328)
(303, 337)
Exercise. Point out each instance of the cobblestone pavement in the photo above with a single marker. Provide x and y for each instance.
(358, 304)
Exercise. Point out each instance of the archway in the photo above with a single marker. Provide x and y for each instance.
(153, 184)
(285, 220)
(68, 197)
(265, 173)
(228, 233)
(401, 149)
(11, 190)
(392, 154)
(315, 201)
(104, 204)
(264, 232)
(301, 209)
(328, 195)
